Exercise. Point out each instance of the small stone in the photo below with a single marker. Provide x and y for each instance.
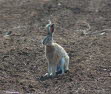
(59, 4)
(102, 33)
(104, 69)
(7, 37)
(110, 74)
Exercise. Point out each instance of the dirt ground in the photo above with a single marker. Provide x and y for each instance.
(82, 27)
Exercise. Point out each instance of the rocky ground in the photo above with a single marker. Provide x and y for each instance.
(82, 27)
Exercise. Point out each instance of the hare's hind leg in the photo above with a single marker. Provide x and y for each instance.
(62, 65)
(66, 64)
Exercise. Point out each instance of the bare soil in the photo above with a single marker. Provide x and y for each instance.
(22, 58)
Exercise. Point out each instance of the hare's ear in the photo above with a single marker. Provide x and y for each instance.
(52, 28)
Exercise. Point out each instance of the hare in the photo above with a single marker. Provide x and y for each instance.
(58, 59)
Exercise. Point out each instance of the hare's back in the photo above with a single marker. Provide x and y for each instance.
(60, 50)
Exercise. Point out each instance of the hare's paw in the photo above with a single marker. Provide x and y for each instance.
(44, 77)
(59, 72)
(46, 74)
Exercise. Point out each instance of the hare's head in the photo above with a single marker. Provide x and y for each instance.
(48, 40)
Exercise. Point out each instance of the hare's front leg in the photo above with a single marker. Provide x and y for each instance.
(49, 70)
(54, 69)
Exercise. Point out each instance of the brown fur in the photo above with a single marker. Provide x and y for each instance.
(51, 54)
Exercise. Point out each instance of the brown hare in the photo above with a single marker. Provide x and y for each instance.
(58, 59)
